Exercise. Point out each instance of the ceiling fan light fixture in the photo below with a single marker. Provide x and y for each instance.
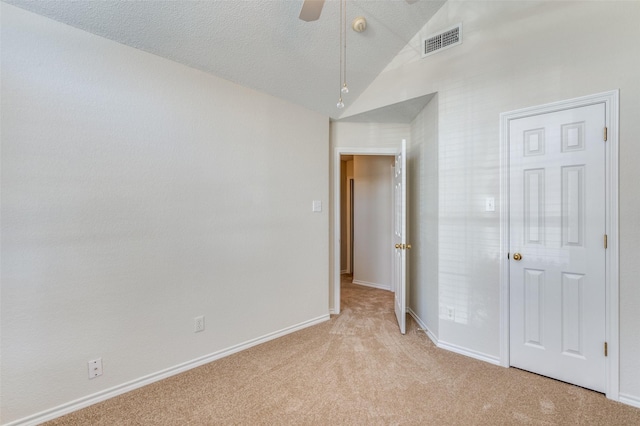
(344, 89)
(359, 24)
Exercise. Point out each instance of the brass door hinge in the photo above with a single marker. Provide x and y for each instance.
(606, 349)
(605, 241)
(605, 134)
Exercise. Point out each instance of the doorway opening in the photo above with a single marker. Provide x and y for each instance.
(346, 259)
(367, 219)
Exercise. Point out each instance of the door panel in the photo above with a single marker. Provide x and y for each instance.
(557, 225)
(400, 236)
(534, 309)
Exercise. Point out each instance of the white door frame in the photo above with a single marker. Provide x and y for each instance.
(336, 210)
(611, 101)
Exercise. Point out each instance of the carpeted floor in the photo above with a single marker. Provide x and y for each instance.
(356, 369)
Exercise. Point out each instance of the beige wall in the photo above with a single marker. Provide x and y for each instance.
(136, 197)
(372, 249)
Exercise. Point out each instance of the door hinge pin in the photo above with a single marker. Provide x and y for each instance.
(605, 241)
(605, 134)
(606, 349)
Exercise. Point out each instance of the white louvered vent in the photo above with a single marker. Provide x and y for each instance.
(443, 40)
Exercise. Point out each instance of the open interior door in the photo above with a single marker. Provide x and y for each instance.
(400, 236)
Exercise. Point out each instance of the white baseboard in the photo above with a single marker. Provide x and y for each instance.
(374, 285)
(86, 401)
(423, 326)
(624, 398)
(454, 348)
(431, 336)
(627, 399)
(416, 318)
(470, 353)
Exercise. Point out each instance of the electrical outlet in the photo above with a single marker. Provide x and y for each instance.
(451, 313)
(198, 324)
(95, 368)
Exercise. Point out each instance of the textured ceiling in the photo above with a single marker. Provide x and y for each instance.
(256, 43)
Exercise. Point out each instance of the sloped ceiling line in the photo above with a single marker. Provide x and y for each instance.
(259, 44)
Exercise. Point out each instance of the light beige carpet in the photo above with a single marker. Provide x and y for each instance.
(356, 369)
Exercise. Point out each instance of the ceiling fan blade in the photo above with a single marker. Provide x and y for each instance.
(311, 10)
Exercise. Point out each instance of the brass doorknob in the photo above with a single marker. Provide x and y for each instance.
(517, 256)
(403, 246)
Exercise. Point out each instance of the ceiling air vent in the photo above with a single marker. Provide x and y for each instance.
(443, 40)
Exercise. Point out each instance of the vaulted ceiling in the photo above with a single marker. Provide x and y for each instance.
(259, 44)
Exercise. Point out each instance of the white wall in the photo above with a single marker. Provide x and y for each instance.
(367, 135)
(137, 194)
(373, 201)
(514, 55)
(423, 217)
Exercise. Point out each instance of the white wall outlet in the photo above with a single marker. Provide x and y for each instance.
(451, 313)
(95, 368)
(198, 324)
(490, 204)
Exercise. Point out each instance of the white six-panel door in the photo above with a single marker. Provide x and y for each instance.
(557, 248)
(400, 236)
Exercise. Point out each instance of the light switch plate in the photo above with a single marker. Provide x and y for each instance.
(317, 206)
(490, 205)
